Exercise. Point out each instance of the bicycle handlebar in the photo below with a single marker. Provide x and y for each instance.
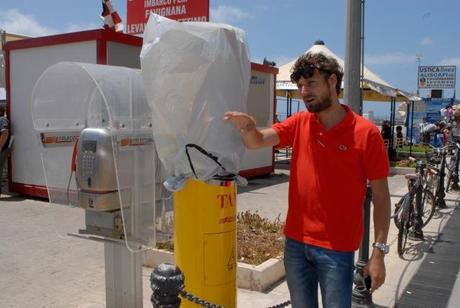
(439, 149)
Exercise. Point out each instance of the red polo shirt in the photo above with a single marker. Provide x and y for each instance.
(328, 178)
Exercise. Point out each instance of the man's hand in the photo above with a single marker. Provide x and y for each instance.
(382, 211)
(252, 137)
(241, 120)
(376, 269)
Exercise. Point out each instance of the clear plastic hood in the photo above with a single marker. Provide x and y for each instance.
(111, 170)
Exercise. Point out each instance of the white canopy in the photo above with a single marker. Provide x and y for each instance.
(375, 88)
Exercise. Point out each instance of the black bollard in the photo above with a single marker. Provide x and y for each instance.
(440, 193)
(361, 297)
(455, 173)
(166, 281)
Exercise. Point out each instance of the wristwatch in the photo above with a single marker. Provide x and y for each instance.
(382, 247)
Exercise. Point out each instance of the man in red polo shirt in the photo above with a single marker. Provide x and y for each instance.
(335, 153)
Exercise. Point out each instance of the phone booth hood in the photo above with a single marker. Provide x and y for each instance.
(106, 109)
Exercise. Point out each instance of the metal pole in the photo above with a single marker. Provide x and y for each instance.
(392, 125)
(361, 297)
(419, 60)
(440, 193)
(411, 127)
(352, 95)
(351, 79)
(123, 267)
(123, 276)
(455, 173)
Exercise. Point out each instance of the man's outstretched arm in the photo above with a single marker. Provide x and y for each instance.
(252, 137)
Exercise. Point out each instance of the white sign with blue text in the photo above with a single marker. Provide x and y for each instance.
(437, 77)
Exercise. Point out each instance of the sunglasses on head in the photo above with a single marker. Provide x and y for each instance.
(307, 72)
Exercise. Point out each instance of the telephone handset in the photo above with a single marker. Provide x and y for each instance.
(94, 165)
(73, 163)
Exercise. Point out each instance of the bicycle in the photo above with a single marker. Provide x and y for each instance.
(432, 172)
(415, 209)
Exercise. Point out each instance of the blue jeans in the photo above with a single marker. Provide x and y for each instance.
(307, 265)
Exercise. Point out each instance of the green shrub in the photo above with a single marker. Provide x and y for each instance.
(416, 148)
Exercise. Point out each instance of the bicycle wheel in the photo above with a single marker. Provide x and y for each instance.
(431, 182)
(404, 227)
(429, 204)
(398, 211)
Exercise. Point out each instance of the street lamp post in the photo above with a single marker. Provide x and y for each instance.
(419, 60)
(353, 78)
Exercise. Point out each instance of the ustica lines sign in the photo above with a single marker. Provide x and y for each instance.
(138, 12)
(437, 77)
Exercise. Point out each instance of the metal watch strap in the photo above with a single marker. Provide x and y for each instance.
(382, 247)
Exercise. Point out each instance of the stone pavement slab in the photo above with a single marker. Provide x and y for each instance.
(39, 268)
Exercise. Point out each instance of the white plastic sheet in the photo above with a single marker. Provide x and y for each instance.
(193, 73)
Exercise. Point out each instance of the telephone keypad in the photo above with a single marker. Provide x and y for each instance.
(88, 164)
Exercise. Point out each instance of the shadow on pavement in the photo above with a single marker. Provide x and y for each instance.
(266, 181)
(14, 198)
(432, 285)
(281, 175)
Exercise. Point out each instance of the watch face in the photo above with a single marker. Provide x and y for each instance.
(383, 247)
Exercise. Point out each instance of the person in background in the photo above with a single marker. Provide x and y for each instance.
(424, 131)
(335, 154)
(447, 134)
(4, 142)
(386, 130)
(438, 139)
(399, 133)
(399, 137)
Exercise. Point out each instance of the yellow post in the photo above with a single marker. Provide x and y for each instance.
(205, 240)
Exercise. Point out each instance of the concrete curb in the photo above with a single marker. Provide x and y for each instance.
(260, 277)
(252, 277)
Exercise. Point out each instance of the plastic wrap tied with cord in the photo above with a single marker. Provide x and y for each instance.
(193, 73)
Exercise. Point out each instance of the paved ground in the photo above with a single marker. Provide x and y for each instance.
(39, 268)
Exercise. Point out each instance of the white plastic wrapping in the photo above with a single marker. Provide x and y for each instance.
(193, 73)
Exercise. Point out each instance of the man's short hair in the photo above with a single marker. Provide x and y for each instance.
(306, 64)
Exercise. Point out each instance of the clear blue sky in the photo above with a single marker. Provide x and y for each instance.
(395, 31)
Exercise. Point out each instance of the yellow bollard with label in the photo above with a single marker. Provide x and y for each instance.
(205, 240)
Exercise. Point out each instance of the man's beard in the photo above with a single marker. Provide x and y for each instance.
(323, 103)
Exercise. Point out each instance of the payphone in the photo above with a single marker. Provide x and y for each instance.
(95, 171)
(95, 119)
(95, 133)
